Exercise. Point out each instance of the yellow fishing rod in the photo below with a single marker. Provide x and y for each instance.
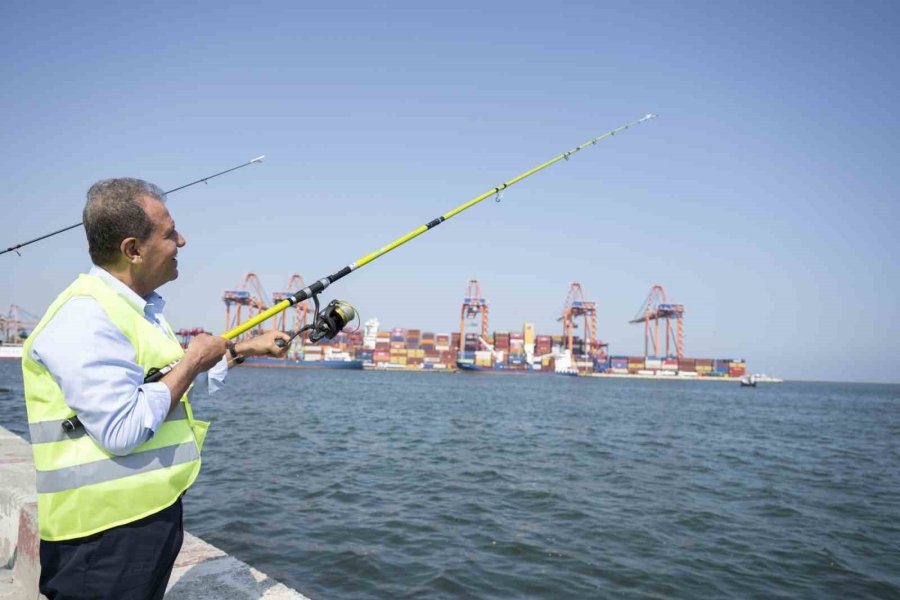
(337, 313)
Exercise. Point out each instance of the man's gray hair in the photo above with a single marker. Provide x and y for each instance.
(114, 211)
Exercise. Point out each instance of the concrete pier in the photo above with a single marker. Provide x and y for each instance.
(202, 571)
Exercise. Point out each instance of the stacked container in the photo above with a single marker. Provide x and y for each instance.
(516, 357)
(442, 342)
(483, 358)
(516, 362)
(577, 346)
(688, 365)
(428, 342)
(413, 338)
(398, 356)
(618, 364)
(737, 368)
(312, 353)
(704, 366)
(415, 357)
(471, 342)
(635, 364)
(501, 340)
(721, 367)
(543, 344)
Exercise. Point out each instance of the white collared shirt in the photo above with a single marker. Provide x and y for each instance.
(94, 364)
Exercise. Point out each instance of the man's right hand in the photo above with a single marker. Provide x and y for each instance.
(206, 351)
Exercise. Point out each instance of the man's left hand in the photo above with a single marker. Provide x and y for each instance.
(264, 344)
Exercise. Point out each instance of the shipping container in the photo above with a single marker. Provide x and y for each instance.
(528, 331)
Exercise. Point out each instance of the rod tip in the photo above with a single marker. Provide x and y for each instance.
(258, 158)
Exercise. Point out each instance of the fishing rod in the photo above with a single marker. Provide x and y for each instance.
(15, 248)
(339, 313)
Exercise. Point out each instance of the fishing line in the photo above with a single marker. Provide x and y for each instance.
(15, 248)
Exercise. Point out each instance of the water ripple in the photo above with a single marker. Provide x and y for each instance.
(372, 485)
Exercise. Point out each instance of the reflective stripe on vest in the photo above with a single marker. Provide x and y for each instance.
(117, 467)
(82, 488)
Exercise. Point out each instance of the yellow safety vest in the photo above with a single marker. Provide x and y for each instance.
(82, 489)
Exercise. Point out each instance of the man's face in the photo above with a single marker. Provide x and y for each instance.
(158, 262)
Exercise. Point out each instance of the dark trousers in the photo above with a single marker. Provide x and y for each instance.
(129, 562)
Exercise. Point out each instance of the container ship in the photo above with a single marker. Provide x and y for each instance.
(311, 357)
(406, 349)
(11, 351)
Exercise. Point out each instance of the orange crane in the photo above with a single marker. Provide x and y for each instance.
(17, 324)
(301, 310)
(576, 306)
(473, 305)
(656, 308)
(249, 294)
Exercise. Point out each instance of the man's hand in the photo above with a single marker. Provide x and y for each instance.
(264, 344)
(205, 351)
(202, 354)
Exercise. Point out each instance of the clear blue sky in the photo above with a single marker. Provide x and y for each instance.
(764, 197)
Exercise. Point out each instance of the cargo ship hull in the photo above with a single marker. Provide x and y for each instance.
(288, 363)
(10, 351)
(468, 367)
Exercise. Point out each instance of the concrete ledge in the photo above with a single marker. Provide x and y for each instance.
(202, 571)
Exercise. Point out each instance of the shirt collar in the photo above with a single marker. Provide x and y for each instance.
(153, 301)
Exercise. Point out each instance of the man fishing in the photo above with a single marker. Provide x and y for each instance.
(114, 454)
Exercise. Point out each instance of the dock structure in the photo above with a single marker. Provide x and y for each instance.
(202, 571)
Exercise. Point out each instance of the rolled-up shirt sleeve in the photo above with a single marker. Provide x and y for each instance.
(95, 366)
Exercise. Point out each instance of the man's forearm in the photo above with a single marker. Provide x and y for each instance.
(179, 379)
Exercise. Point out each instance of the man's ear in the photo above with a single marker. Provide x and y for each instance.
(129, 249)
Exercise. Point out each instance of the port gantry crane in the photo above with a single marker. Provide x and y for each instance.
(185, 335)
(300, 311)
(577, 307)
(17, 324)
(473, 306)
(249, 294)
(656, 308)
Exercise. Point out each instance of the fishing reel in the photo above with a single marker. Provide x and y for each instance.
(331, 321)
(327, 322)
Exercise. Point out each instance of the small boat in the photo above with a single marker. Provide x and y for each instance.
(749, 381)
